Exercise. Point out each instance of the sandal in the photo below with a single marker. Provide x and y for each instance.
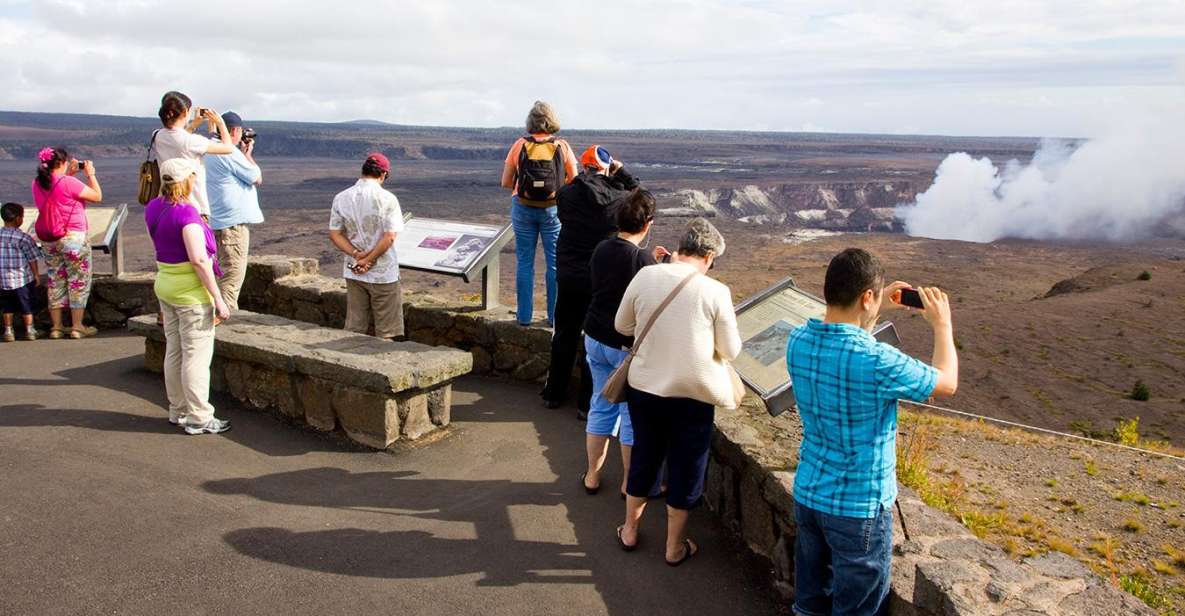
(689, 550)
(587, 490)
(625, 547)
(85, 331)
(57, 333)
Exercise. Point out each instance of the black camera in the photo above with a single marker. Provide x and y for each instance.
(248, 134)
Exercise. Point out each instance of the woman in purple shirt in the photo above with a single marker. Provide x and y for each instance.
(187, 287)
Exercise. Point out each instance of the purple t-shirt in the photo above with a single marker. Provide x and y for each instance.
(165, 222)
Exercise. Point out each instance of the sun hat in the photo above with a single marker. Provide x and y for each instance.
(177, 170)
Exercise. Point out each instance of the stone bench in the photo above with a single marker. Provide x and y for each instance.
(376, 391)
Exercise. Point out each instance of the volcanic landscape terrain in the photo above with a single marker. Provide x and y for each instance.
(1052, 334)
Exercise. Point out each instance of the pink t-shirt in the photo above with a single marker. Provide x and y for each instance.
(63, 195)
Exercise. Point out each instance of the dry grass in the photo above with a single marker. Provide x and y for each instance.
(1164, 568)
(1058, 544)
(1138, 498)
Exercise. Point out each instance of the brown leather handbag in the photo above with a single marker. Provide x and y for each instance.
(149, 174)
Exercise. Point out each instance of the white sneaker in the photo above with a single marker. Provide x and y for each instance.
(174, 418)
(214, 426)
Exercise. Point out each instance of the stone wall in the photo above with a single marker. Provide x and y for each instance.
(113, 301)
(942, 570)
(292, 288)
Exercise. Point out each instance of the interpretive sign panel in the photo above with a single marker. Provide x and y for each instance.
(455, 249)
(448, 247)
(104, 224)
(765, 322)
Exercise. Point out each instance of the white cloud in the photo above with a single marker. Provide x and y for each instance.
(942, 66)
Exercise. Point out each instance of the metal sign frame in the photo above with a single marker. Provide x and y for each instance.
(780, 398)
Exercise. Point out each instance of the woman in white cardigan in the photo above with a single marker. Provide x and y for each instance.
(678, 376)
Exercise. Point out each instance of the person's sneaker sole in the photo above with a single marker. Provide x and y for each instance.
(196, 430)
(10, 337)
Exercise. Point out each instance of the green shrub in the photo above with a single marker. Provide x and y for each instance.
(1137, 585)
(1140, 392)
(1144, 275)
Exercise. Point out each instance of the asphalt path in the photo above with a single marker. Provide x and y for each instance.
(107, 509)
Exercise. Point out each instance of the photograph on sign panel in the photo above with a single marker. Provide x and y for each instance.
(438, 242)
(769, 347)
(464, 251)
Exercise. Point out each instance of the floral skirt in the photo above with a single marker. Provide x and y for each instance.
(69, 263)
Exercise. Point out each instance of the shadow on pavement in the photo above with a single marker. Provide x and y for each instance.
(632, 583)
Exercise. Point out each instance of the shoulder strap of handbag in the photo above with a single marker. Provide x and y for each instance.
(151, 142)
(663, 306)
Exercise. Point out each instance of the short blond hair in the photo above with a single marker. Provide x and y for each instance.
(177, 192)
(542, 119)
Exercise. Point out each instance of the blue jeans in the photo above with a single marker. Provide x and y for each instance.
(531, 223)
(604, 417)
(841, 564)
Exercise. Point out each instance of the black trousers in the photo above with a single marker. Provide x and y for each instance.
(678, 430)
(567, 344)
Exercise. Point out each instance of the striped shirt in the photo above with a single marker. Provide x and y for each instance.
(847, 386)
(17, 250)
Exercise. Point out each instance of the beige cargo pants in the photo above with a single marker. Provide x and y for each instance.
(233, 243)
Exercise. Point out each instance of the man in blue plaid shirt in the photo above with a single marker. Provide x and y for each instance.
(847, 386)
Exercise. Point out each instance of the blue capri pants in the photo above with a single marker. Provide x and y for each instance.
(604, 417)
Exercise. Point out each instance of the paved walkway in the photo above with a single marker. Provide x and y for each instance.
(106, 508)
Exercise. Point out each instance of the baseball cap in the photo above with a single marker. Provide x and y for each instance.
(177, 169)
(380, 160)
(232, 119)
(597, 158)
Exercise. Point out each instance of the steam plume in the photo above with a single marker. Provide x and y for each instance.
(1129, 185)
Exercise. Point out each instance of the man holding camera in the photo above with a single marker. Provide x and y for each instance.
(234, 204)
(847, 386)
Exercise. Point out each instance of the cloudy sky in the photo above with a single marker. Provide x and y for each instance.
(1032, 67)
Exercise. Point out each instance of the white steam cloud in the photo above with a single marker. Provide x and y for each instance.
(1127, 186)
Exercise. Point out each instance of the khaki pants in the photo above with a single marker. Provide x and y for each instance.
(232, 258)
(189, 347)
(382, 302)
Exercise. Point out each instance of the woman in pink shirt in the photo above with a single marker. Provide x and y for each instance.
(68, 258)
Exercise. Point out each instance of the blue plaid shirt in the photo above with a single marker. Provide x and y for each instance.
(847, 385)
(17, 249)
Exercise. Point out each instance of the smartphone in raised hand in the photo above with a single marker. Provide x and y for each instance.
(911, 298)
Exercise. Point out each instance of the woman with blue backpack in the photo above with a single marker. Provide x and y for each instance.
(537, 165)
(62, 227)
